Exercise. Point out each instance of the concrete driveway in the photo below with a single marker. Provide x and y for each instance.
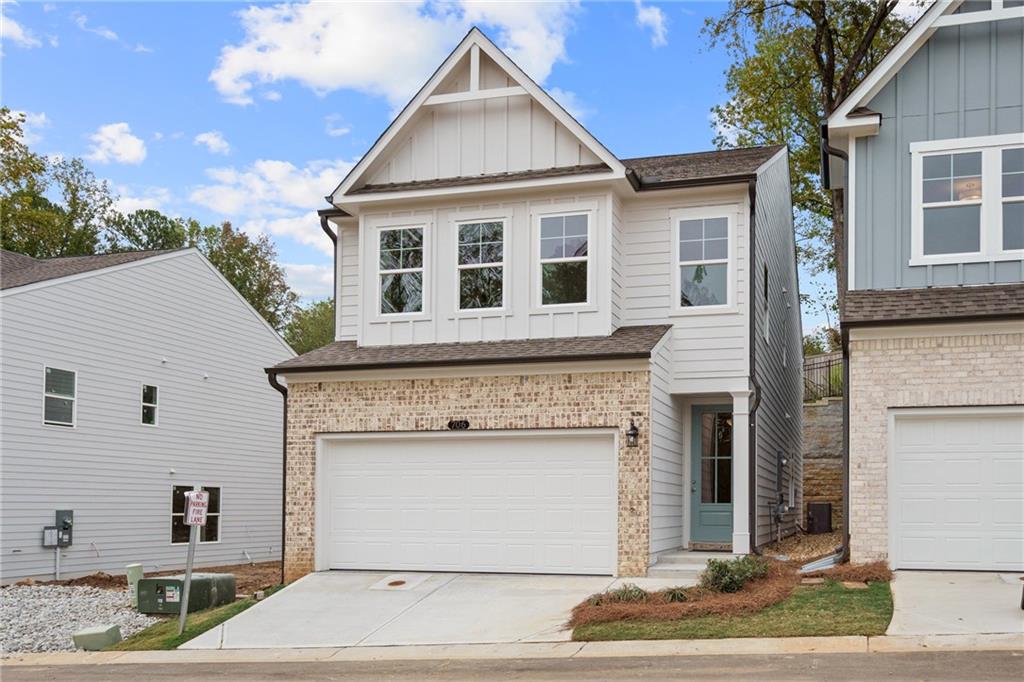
(956, 602)
(355, 608)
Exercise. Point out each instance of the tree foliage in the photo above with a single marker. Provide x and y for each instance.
(794, 61)
(311, 326)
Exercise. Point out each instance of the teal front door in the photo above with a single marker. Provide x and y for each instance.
(711, 474)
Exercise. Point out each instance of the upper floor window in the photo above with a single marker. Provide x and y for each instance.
(481, 265)
(702, 258)
(564, 249)
(400, 276)
(149, 397)
(59, 387)
(967, 199)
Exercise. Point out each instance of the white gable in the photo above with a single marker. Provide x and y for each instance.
(479, 114)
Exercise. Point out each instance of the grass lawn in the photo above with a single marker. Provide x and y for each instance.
(811, 611)
(164, 635)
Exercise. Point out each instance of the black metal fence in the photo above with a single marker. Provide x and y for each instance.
(823, 376)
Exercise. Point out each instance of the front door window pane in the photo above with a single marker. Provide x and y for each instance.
(716, 458)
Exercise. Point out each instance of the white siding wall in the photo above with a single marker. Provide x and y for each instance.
(499, 135)
(666, 455)
(523, 317)
(348, 281)
(170, 323)
(706, 347)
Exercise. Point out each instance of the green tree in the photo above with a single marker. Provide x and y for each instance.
(145, 230)
(814, 345)
(794, 61)
(251, 267)
(311, 326)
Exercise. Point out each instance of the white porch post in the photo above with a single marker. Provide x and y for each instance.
(740, 472)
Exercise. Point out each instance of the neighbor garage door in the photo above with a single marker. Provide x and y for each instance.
(957, 490)
(535, 503)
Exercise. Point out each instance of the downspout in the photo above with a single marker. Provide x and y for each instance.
(283, 390)
(756, 402)
(828, 150)
(326, 227)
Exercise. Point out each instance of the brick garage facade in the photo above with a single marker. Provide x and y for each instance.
(534, 401)
(823, 456)
(911, 369)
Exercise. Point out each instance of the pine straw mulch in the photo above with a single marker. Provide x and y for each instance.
(805, 547)
(876, 572)
(756, 595)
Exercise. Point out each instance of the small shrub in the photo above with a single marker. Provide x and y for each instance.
(730, 576)
(627, 593)
(675, 594)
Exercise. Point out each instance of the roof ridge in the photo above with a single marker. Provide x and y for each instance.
(707, 151)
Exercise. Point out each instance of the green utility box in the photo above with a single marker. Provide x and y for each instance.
(163, 595)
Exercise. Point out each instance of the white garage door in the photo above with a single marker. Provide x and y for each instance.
(538, 503)
(957, 490)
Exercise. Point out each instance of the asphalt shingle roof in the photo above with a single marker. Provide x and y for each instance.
(18, 270)
(936, 304)
(624, 343)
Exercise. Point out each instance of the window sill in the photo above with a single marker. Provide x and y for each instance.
(704, 310)
(382, 318)
(965, 258)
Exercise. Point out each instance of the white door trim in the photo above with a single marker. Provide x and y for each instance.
(895, 413)
(320, 562)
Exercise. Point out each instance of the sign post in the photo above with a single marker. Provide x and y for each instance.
(197, 502)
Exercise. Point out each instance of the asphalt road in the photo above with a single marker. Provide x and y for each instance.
(958, 666)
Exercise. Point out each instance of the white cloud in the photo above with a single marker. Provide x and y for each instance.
(910, 9)
(570, 101)
(273, 197)
(114, 142)
(53, 40)
(214, 141)
(310, 281)
(158, 136)
(11, 32)
(49, 7)
(652, 18)
(155, 198)
(299, 42)
(334, 127)
(34, 122)
(82, 22)
(271, 96)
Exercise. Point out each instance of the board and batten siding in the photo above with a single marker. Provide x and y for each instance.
(497, 135)
(964, 82)
(170, 322)
(706, 347)
(778, 354)
(667, 478)
(441, 320)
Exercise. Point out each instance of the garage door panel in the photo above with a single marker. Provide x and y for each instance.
(505, 503)
(957, 491)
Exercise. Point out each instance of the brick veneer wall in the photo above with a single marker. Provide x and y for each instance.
(958, 369)
(539, 401)
(823, 456)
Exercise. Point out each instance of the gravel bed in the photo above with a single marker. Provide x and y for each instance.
(41, 618)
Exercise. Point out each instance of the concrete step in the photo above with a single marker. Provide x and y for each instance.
(691, 558)
(674, 573)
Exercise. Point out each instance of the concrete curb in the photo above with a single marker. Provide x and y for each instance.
(640, 648)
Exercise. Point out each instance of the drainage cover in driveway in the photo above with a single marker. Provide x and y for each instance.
(401, 581)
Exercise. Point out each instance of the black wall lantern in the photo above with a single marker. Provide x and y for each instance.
(632, 435)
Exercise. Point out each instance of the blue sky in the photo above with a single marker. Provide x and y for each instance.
(251, 113)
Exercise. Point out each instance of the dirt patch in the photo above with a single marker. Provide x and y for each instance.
(756, 595)
(803, 547)
(876, 572)
(248, 577)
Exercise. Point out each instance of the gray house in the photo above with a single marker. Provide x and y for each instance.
(933, 321)
(126, 380)
(548, 359)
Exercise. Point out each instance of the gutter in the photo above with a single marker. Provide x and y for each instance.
(752, 416)
(325, 215)
(283, 390)
(642, 186)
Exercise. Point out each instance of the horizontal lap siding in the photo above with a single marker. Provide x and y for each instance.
(666, 455)
(116, 329)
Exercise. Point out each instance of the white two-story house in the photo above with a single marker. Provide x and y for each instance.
(548, 359)
(933, 321)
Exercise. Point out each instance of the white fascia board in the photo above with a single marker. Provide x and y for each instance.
(13, 291)
(474, 38)
(918, 34)
(351, 204)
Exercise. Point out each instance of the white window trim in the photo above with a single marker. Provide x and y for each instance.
(422, 269)
(991, 203)
(505, 234)
(538, 297)
(74, 400)
(220, 515)
(678, 215)
(155, 406)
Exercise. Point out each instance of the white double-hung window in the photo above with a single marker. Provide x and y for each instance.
(481, 264)
(703, 268)
(400, 270)
(564, 259)
(967, 200)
